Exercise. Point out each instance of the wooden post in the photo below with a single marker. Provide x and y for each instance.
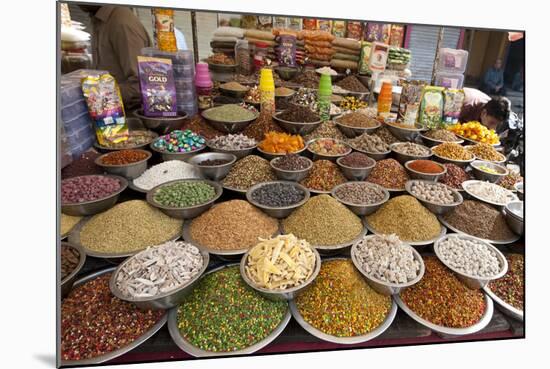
(195, 39)
(436, 60)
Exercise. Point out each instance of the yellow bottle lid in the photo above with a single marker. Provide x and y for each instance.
(266, 80)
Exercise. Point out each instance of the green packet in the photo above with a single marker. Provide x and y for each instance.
(431, 107)
(364, 58)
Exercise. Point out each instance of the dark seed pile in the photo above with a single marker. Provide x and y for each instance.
(278, 195)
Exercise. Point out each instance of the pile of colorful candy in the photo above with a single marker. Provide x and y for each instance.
(180, 141)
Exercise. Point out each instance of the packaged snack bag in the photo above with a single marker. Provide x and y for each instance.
(324, 25)
(339, 28)
(378, 57)
(454, 99)
(431, 107)
(286, 51)
(106, 108)
(364, 58)
(310, 24)
(158, 89)
(163, 30)
(354, 30)
(409, 103)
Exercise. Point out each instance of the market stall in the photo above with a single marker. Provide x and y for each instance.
(281, 196)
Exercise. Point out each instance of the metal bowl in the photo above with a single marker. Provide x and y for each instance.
(288, 294)
(494, 242)
(241, 153)
(228, 127)
(375, 155)
(482, 323)
(161, 301)
(359, 209)
(514, 221)
(277, 212)
(383, 287)
(132, 186)
(510, 195)
(354, 173)
(354, 131)
(519, 188)
(460, 163)
(442, 233)
(130, 171)
(189, 211)
(291, 175)
(162, 125)
(433, 177)
(225, 100)
(237, 191)
(187, 347)
(213, 172)
(223, 68)
(471, 281)
(404, 133)
(286, 73)
(431, 142)
(437, 209)
(469, 141)
(67, 282)
(271, 155)
(106, 149)
(403, 158)
(233, 93)
(121, 351)
(485, 176)
(167, 156)
(503, 306)
(294, 127)
(74, 239)
(95, 206)
(318, 156)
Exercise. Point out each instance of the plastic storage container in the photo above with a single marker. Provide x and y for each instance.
(183, 71)
(77, 123)
(182, 57)
(71, 85)
(184, 84)
(71, 111)
(80, 136)
(186, 97)
(78, 150)
(449, 80)
(452, 60)
(190, 109)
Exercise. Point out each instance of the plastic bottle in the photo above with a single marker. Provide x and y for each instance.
(204, 85)
(267, 92)
(323, 97)
(385, 99)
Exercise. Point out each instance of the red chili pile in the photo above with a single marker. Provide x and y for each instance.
(441, 298)
(123, 157)
(426, 166)
(455, 176)
(87, 188)
(94, 322)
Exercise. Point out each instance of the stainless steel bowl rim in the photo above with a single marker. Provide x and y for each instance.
(232, 160)
(150, 194)
(123, 184)
(405, 128)
(278, 154)
(225, 187)
(478, 162)
(310, 142)
(440, 141)
(407, 166)
(370, 152)
(372, 165)
(381, 202)
(442, 233)
(121, 351)
(338, 123)
(139, 114)
(453, 160)
(210, 146)
(81, 261)
(466, 184)
(456, 194)
(262, 206)
(272, 162)
(98, 162)
(511, 213)
(204, 114)
(276, 117)
(497, 242)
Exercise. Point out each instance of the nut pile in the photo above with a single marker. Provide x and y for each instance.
(326, 129)
(441, 135)
(159, 269)
(360, 193)
(491, 192)
(509, 180)
(278, 195)
(389, 174)
(385, 135)
(412, 149)
(299, 114)
(87, 188)
(328, 147)
(369, 143)
(123, 157)
(248, 171)
(280, 263)
(433, 192)
(68, 222)
(232, 142)
(455, 176)
(485, 151)
(469, 256)
(453, 151)
(387, 259)
(264, 124)
(357, 120)
(70, 257)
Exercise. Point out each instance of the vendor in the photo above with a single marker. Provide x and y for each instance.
(493, 80)
(492, 113)
(117, 39)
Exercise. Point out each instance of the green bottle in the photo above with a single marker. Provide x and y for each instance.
(323, 97)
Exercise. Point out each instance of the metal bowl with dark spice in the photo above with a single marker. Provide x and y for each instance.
(361, 209)
(277, 212)
(161, 125)
(291, 175)
(67, 282)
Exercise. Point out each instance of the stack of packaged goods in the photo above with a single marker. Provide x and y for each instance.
(77, 132)
(318, 46)
(347, 53)
(450, 68)
(75, 44)
(264, 46)
(225, 39)
(184, 77)
(398, 58)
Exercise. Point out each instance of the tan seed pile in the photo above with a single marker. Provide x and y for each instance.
(68, 222)
(248, 171)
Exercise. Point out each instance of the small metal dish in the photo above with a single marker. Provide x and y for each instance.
(437, 209)
(67, 282)
(361, 209)
(519, 189)
(403, 158)
(286, 73)
(374, 155)
(503, 306)
(319, 156)
(95, 206)
(167, 156)
(234, 190)
(271, 155)
(482, 323)
(404, 133)
(494, 242)
(433, 177)
(225, 100)
(291, 175)
(354, 131)
(466, 186)
(514, 221)
(241, 153)
(442, 233)
(383, 287)
(130, 171)
(460, 163)
(288, 294)
(233, 93)
(106, 149)
(277, 212)
(213, 172)
(162, 125)
(163, 301)
(296, 127)
(186, 212)
(121, 351)
(187, 347)
(431, 142)
(228, 127)
(471, 281)
(482, 175)
(355, 173)
(223, 68)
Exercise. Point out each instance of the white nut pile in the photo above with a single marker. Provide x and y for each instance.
(386, 258)
(469, 256)
(159, 269)
(491, 192)
(410, 148)
(165, 172)
(433, 192)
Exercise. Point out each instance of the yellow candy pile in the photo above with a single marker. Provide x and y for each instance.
(475, 131)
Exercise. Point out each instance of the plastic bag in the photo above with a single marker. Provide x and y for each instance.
(431, 107)
(158, 90)
(163, 30)
(454, 99)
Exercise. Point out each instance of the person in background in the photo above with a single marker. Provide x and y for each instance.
(493, 80)
(517, 84)
(492, 113)
(117, 39)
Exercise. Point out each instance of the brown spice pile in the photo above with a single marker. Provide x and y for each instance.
(385, 135)
(198, 125)
(327, 129)
(260, 127)
(324, 176)
(389, 173)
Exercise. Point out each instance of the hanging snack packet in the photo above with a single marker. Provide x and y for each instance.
(286, 51)
(431, 107)
(158, 90)
(454, 99)
(163, 30)
(106, 108)
(409, 103)
(364, 58)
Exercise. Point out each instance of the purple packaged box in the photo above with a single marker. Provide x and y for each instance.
(158, 90)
